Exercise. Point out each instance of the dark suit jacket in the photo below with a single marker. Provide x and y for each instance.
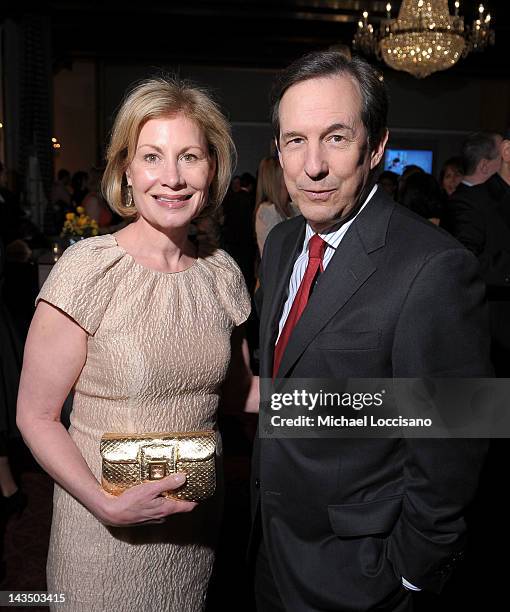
(344, 519)
(448, 212)
(480, 219)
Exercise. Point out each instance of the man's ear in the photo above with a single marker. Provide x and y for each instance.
(505, 151)
(378, 152)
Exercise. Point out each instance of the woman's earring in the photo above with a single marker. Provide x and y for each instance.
(129, 199)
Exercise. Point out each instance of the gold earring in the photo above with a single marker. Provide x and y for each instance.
(130, 202)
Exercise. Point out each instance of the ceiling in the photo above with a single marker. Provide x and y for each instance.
(255, 33)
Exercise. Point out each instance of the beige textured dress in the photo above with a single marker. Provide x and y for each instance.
(158, 351)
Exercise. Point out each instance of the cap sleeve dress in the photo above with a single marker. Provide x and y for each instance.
(158, 350)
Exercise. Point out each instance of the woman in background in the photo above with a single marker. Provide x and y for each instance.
(451, 175)
(140, 324)
(272, 205)
(422, 194)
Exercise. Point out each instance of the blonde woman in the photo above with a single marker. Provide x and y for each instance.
(140, 324)
(272, 200)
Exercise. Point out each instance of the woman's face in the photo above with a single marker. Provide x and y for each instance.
(451, 179)
(171, 172)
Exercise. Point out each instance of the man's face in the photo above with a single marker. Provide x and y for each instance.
(323, 148)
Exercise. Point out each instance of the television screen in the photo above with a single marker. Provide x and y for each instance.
(397, 159)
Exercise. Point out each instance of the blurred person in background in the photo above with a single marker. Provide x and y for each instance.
(94, 203)
(238, 232)
(60, 203)
(10, 210)
(79, 187)
(451, 175)
(61, 190)
(480, 159)
(388, 180)
(12, 499)
(273, 204)
(406, 173)
(422, 194)
(235, 184)
(480, 219)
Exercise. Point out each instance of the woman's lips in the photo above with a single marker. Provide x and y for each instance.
(319, 196)
(172, 202)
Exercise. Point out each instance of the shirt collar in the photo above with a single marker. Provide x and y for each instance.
(335, 234)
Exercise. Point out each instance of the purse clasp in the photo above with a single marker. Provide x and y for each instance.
(157, 470)
(157, 461)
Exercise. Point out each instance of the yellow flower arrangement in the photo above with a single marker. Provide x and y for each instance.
(79, 225)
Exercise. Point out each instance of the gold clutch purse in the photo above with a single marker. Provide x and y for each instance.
(130, 459)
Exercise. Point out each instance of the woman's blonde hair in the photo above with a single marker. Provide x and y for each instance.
(164, 97)
(269, 187)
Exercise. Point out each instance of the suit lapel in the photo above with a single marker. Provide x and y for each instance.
(277, 293)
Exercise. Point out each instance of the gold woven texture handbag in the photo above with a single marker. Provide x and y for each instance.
(130, 459)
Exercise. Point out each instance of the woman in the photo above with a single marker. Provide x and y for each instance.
(140, 324)
(422, 194)
(451, 175)
(272, 204)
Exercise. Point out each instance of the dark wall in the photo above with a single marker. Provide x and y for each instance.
(435, 113)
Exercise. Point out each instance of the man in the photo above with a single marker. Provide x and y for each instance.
(480, 219)
(481, 157)
(353, 525)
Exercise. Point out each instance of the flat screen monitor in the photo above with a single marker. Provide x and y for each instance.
(397, 159)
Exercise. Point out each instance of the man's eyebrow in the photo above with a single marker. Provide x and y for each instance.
(341, 127)
(287, 135)
(337, 127)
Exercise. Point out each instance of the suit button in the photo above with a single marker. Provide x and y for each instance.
(507, 279)
(257, 483)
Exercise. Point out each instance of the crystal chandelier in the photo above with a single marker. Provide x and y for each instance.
(424, 38)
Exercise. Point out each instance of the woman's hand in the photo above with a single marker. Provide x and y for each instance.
(144, 503)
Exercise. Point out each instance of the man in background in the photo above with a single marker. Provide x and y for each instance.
(480, 219)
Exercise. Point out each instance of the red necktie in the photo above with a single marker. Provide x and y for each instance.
(316, 248)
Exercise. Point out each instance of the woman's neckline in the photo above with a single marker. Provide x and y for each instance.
(153, 270)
